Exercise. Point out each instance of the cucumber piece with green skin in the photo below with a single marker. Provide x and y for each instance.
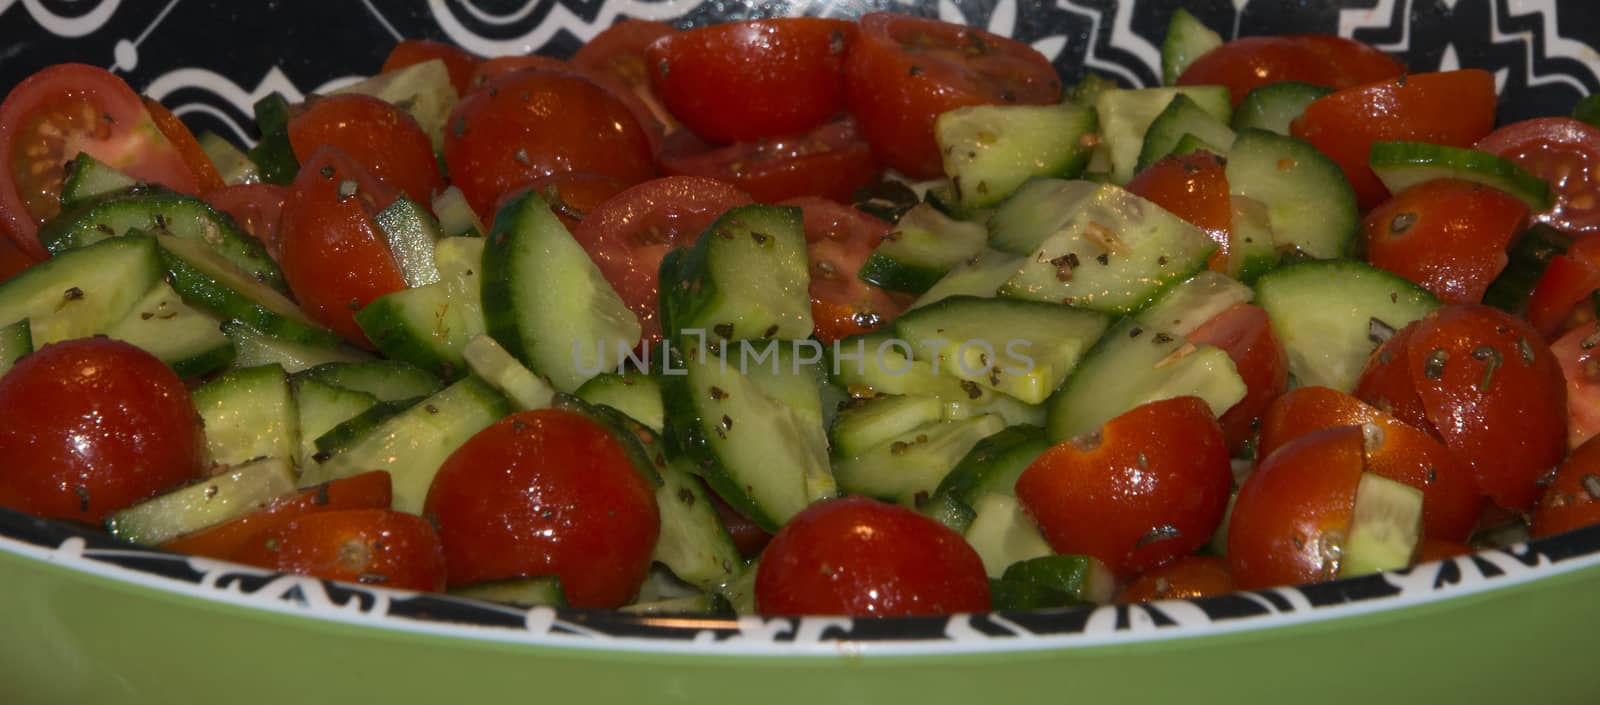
(1385, 527)
(1401, 165)
(189, 341)
(251, 348)
(1013, 596)
(385, 380)
(693, 544)
(456, 218)
(1021, 348)
(746, 278)
(88, 178)
(16, 340)
(867, 423)
(204, 503)
(949, 511)
(1528, 258)
(990, 150)
(1191, 303)
(980, 275)
(942, 197)
(1274, 106)
(1089, 88)
(319, 407)
(1112, 252)
(273, 156)
(1310, 205)
(923, 246)
(233, 165)
(741, 591)
(412, 234)
(1187, 40)
(430, 326)
(1587, 110)
(249, 414)
(82, 292)
(1190, 143)
(703, 604)
(1328, 345)
(1125, 115)
(1183, 118)
(1136, 364)
(994, 464)
(424, 90)
(1251, 250)
(1010, 409)
(546, 302)
(540, 591)
(350, 431)
(162, 212)
(913, 464)
(761, 457)
(1084, 579)
(1003, 534)
(204, 279)
(1035, 212)
(413, 444)
(880, 363)
(632, 392)
(644, 448)
(494, 365)
(786, 372)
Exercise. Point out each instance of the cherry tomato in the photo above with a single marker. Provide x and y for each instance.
(1572, 501)
(747, 80)
(335, 257)
(573, 195)
(1560, 300)
(205, 173)
(1448, 236)
(1149, 486)
(1452, 107)
(367, 546)
(1566, 154)
(1439, 549)
(258, 208)
(1184, 578)
(1193, 187)
(13, 260)
(457, 61)
(1394, 449)
(1248, 63)
(52, 116)
(490, 69)
(903, 72)
(747, 535)
(1487, 385)
(831, 161)
(1292, 515)
(1245, 333)
(92, 426)
(532, 123)
(547, 492)
(383, 138)
(629, 234)
(860, 557)
(1580, 367)
(369, 490)
(614, 58)
(839, 239)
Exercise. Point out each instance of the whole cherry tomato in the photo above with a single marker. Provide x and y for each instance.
(490, 69)
(381, 137)
(367, 546)
(1448, 236)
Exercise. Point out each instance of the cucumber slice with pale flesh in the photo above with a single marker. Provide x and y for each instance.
(1187, 40)
(921, 249)
(525, 389)
(1273, 107)
(1385, 527)
(1183, 118)
(1125, 116)
(1003, 534)
(1401, 165)
(1310, 205)
(990, 150)
(204, 503)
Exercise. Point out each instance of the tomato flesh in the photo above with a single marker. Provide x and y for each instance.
(1566, 154)
(1245, 333)
(839, 239)
(1572, 501)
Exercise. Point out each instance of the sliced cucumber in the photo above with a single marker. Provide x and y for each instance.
(350, 431)
(881, 363)
(868, 423)
(412, 233)
(204, 503)
(319, 407)
(233, 165)
(88, 178)
(424, 90)
(1310, 205)
(1125, 115)
(16, 340)
(990, 150)
(204, 279)
(79, 293)
(1187, 39)
(252, 348)
(273, 156)
(1189, 144)
(790, 373)
(911, 466)
(1191, 303)
(430, 326)
(1274, 106)
(1037, 211)
(1183, 118)
(980, 275)
(1003, 534)
(494, 365)
(923, 246)
(385, 380)
(190, 342)
(1385, 527)
(1528, 258)
(544, 590)
(949, 511)
(1251, 249)
(1010, 409)
(632, 392)
(694, 545)
(249, 414)
(1401, 165)
(746, 278)
(456, 218)
(1088, 89)
(1021, 348)
(994, 464)
(1083, 579)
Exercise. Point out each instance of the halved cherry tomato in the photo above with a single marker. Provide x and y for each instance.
(547, 492)
(742, 81)
(1292, 515)
(1184, 578)
(1446, 235)
(1579, 354)
(1393, 449)
(490, 69)
(1450, 107)
(457, 61)
(614, 58)
(1193, 187)
(13, 260)
(1432, 549)
(573, 195)
(1572, 501)
(367, 546)
(1566, 154)
(831, 161)
(369, 490)
(205, 173)
(94, 425)
(903, 72)
(839, 239)
(1149, 486)
(258, 208)
(860, 557)
(335, 257)
(532, 123)
(1560, 300)
(383, 138)
(1248, 63)
(1245, 333)
(52, 116)
(747, 535)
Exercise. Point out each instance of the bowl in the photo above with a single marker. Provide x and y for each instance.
(88, 619)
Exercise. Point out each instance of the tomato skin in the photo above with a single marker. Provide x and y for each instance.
(839, 239)
(532, 123)
(1448, 236)
(1439, 549)
(1245, 332)
(205, 173)
(12, 259)
(747, 535)
(1572, 501)
(1566, 154)
(1248, 63)
(573, 195)
(903, 72)
(629, 234)
(831, 161)
(1560, 299)
(91, 426)
(258, 208)
(860, 557)
(615, 59)
(1184, 578)
(457, 61)
(367, 546)
(1451, 107)
(1149, 487)
(546, 492)
(335, 257)
(380, 136)
(1193, 187)
(1294, 511)
(1393, 449)
(1580, 366)
(92, 111)
(368, 490)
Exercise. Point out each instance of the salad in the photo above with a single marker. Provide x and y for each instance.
(808, 316)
